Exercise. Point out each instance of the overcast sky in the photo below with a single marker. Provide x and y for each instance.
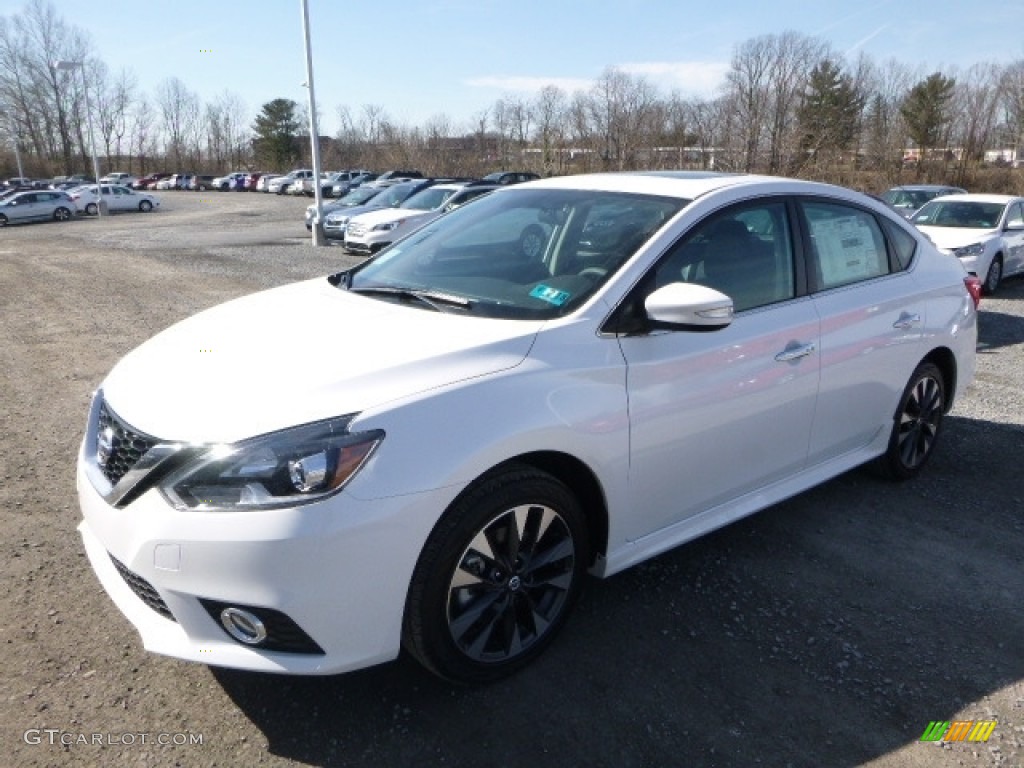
(421, 58)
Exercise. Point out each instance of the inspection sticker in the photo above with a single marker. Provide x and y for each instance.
(550, 295)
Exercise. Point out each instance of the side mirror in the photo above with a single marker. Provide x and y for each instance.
(689, 307)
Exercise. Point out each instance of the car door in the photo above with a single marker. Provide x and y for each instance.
(25, 208)
(717, 415)
(1013, 235)
(120, 199)
(872, 323)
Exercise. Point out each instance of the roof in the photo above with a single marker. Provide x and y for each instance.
(683, 184)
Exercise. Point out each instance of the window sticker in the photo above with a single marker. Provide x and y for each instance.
(847, 250)
(550, 295)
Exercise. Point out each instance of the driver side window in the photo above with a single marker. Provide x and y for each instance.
(746, 253)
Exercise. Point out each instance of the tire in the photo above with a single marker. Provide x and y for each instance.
(91, 209)
(145, 206)
(497, 577)
(916, 425)
(62, 214)
(531, 242)
(994, 276)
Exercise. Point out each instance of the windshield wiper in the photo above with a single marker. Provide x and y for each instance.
(433, 299)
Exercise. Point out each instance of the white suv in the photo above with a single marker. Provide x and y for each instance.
(369, 232)
(564, 377)
(280, 184)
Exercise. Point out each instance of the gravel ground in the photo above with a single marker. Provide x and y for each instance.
(826, 631)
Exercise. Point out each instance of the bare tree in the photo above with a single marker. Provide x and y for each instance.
(550, 108)
(179, 111)
(975, 104)
(621, 106)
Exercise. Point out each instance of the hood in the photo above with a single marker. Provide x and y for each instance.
(346, 213)
(296, 354)
(957, 237)
(385, 215)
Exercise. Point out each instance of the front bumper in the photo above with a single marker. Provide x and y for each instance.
(338, 569)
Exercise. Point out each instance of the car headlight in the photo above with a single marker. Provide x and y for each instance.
(974, 249)
(387, 226)
(281, 469)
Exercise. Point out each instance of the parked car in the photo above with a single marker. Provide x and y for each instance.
(148, 182)
(252, 181)
(357, 197)
(369, 232)
(687, 350)
(35, 205)
(227, 182)
(986, 232)
(392, 196)
(280, 185)
(401, 173)
(909, 198)
(263, 183)
(119, 177)
(510, 177)
(116, 197)
(200, 183)
(172, 181)
(349, 180)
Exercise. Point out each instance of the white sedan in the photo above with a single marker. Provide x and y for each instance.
(567, 376)
(986, 232)
(116, 197)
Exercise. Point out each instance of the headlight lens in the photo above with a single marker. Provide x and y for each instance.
(974, 249)
(388, 226)
(282, 469)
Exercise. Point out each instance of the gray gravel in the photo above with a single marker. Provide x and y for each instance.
(826, 631)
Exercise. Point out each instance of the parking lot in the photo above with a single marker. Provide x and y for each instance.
(826, 631)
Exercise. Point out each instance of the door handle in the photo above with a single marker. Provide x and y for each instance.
(795, 352)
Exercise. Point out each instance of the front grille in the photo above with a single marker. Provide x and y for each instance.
(356, 229)
(283, 634)
(143, 590)
(127, 445)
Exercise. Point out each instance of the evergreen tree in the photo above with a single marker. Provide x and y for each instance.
(830, 112)
(276, 128)
(926, 110)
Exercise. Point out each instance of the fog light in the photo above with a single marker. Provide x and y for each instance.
(244, 626)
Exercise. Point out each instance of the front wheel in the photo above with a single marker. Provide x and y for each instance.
(145, 206)
(497, 576)
(915, 429)
(91, 209)
(993, 276)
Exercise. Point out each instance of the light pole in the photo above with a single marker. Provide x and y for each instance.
(66, 65)
(17, 152)
(314, 133)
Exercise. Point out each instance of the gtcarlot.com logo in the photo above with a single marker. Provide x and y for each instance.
(57, 737)
(958, 730)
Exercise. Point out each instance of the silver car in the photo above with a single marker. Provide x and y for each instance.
(41, 205)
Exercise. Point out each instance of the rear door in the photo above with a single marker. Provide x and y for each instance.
(872, 322)
(720, 414)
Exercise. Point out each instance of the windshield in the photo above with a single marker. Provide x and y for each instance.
(959, 213)
(428, 199)
(528, 254)
(358, 196)
(393, 196)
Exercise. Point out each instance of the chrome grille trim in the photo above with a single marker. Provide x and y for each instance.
(137, 456)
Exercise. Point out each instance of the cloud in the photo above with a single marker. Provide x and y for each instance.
(693, 77)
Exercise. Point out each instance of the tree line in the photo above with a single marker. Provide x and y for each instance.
(789, 105)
